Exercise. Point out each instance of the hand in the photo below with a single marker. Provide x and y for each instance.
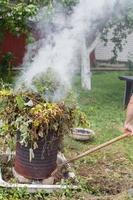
(128, 128)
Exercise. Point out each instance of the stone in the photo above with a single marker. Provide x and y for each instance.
(20, 178)
(48, 181)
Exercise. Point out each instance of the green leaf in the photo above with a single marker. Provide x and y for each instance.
(20, 102)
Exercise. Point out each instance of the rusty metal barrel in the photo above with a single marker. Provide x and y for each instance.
(43, 163)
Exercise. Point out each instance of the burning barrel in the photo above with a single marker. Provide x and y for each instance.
(43, 162)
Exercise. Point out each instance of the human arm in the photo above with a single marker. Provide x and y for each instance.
(128, 125)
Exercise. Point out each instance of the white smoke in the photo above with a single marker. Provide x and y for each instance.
(63, 35)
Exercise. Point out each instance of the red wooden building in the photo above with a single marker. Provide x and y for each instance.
(15, 45)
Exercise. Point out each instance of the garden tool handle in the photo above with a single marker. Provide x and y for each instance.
(97, 148)
(60, 167)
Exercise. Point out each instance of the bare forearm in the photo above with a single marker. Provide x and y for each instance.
(129, 114)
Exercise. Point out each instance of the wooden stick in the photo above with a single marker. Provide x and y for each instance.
(96, 148)
(60, 167)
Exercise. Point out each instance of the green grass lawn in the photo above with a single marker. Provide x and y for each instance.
(104, 103)
(109, 171)
(104, 108)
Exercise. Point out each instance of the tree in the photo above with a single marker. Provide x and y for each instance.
(13, 16)
(95, 31)
(120, 22)
(99, 26)
(121, 25)
(15, 13)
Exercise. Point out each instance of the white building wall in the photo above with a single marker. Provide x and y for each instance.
(104, 53)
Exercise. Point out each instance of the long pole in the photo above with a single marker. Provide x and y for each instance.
(121, 137)
(97, 148)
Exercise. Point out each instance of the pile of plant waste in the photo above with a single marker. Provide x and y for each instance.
(29, 114)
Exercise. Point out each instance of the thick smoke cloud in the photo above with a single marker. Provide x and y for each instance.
(63, 36)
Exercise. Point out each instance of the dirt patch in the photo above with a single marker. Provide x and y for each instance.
(107, 176)
(121, 196)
